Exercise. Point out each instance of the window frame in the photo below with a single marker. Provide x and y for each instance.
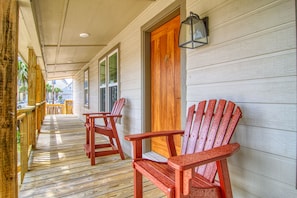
(106, 104)
(86, 88)
(102, 86)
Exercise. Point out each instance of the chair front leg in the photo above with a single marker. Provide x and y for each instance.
(117, 139)
(138, 186)
(183, 183)
(224, 178)
(87, 135)
(137, 153)
(87, 125)
(119, 147)
(92, 142)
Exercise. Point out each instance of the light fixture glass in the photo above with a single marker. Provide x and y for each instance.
(193, 32)
(84, 35)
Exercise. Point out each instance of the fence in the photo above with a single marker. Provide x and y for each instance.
(65, 108)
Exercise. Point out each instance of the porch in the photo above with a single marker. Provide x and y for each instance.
(58, 167)
(250, 59)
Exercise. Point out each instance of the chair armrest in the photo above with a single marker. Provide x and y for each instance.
(89, 115)
(188, 161)
(97, 113)
(135, 137)
(103, 116)
(137, 141)
(90, 118)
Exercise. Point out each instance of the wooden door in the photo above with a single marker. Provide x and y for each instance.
(165, 83)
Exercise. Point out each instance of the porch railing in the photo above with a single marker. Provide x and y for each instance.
(29, 120)
(65, 108)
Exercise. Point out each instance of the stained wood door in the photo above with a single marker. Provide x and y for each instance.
(165, 83)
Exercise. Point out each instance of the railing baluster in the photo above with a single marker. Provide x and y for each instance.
(23, 127)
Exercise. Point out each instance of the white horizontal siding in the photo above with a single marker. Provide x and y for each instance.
(252, 184)
(251, 59)
(272, 65)
(266, 164)
(240, 19)
(273, 116)
(264, 140)
(262, 43)
(271, 90)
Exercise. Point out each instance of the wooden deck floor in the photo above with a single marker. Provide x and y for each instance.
(59, 167)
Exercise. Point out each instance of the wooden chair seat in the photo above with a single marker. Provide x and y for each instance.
(163, 175)
(205, 150)
(108, 129)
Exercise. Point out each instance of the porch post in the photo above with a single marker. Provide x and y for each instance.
(43, 97)
(8, 97)
(38, 97)
(32, 64)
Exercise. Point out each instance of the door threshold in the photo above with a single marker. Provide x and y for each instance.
(154, 156)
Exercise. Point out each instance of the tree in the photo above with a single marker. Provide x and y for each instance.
(57, 91)
(48, 89)
(22, 79)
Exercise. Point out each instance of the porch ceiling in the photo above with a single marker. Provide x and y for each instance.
(58, 23)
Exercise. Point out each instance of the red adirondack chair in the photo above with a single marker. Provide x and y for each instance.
(108, 129)
(204, 153)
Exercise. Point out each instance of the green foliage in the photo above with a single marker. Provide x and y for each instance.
(57, 90)
(22, 79)
(48, 88)
(22, 72)
(18, 136)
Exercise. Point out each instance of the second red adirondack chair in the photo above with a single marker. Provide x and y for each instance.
(108, 129)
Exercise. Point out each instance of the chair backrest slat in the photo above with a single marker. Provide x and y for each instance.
(214, 132)
(211, 128)
(203, 133)
(116, 109)
(188, 128)
(232, 125)
(195, 128)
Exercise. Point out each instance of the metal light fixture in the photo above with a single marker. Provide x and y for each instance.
(193, 32)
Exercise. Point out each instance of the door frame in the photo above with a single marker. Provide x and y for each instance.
(176, 8)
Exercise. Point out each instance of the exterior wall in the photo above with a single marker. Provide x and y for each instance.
(130, 75)
(250, 59)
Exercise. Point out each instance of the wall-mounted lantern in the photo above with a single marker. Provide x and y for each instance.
(193, 32)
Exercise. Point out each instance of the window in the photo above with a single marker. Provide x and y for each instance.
(86, 88)
(102, 84)
(108, 80)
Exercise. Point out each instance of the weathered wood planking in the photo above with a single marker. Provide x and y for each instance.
(8, 89)
(60, 168)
